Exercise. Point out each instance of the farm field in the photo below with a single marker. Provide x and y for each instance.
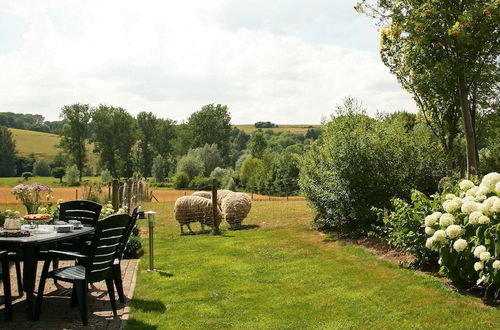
(281, 128)
(281, 274)
(42, 145)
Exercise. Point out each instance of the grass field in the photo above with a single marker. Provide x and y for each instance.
(281, 128)
(42, 145)
(284, 275)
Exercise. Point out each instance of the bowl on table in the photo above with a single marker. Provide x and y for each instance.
(63, 228)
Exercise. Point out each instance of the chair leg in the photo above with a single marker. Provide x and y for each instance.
(111, 292)
(19, 278)
(6, 288)
(81, 292)
(55, 265)
(117, 274)
(41, 288)
(73, 302)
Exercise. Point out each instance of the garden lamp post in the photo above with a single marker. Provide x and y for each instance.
(151, 226)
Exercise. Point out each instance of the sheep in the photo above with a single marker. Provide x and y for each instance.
(204, 194)
(189, 209)
(235, 208)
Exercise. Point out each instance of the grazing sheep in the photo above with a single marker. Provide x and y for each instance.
(189, 209)
(235, 208)
(204, 194)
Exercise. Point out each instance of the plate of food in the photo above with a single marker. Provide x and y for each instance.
(38, 217)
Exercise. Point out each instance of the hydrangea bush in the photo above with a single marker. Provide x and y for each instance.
(465, 231)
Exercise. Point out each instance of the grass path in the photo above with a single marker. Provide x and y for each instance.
(284, 275)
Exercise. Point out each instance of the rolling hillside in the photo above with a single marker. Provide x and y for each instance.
(281, 128)
(43, 145)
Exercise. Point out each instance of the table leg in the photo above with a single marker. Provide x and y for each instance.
(29, 277)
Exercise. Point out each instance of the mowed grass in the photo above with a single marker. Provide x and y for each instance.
(42, 145)
(284, 275)
(281, 128)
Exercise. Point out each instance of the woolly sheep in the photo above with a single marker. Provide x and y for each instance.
(189, 209)
(204, 194)
(235, 208)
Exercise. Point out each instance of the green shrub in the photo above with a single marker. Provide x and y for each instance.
(41, 167)
(160, 169)
(191, 166)
(133, 247)
(106, 177)
(465, 230)
(200, 183)
(72, 176)
(180, 181)
(27, 175)
(360, 163)
(402, 227)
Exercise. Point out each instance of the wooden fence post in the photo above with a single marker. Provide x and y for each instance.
(215, 228)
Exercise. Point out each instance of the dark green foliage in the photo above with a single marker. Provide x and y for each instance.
(313, 133)
(74, 133)
(30, 122)
(209, 155)
(180, 180)
(165, 136)
(257, 144)
(7, 153)
(59, 173)
(24, 164)
(147, 124)
(360, 163)
(41, 167)
(200, 183)
(265, 124)
(161, 168)
(26, 175)
(133, 247)
(403, 227)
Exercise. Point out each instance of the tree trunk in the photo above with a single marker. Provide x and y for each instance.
(470, 137)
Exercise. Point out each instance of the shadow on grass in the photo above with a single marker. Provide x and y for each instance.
(165, 274)
(149, 306)
(244, 227)
(134, 324)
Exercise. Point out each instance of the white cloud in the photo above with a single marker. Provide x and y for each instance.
(172, 57)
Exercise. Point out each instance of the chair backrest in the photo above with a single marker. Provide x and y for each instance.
(3, 262)
(123, 243)
(105, 243)
(87, 212)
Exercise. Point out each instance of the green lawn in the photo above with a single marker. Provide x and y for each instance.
(283, 275)
(14, 181)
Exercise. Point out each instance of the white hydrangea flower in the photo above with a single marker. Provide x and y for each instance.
(460, 245)
(440, 261)
(431, 220)
(478, 250)
(450, 206)
(469, 207)
(485, 256)
(480, 198)
(429, 230)
(468, 199)
(491, 179)
(474, 217)
(483, 220)
(450, 196)
(446, 220)
(429, 242)
(439, 235)
(478, 266)
(472, 191)
(487, 205)
(496, 206)
(453, 231)
(496, 264)
(458, 201)
(483, 190)
(497, 188)
(466, 184)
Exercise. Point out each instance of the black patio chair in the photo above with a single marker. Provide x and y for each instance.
(4, 259)
(117, 270)
(96, 266)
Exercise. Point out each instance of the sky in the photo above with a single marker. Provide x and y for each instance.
(284, 61)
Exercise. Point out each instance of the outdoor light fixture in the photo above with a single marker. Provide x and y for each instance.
(151, 226)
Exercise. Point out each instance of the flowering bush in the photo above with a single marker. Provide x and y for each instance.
(32, 195)
(465, 230)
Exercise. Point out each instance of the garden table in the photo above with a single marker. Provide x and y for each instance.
(30, 247)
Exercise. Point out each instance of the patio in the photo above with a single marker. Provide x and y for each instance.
(56, 312)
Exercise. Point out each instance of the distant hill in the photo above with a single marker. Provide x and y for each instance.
(43, 145)
(300, 128)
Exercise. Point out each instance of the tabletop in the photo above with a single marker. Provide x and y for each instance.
(35, 239)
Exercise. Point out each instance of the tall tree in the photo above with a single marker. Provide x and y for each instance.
(257, 144)
(147, 124)
(211, 124)
(164, 138)
(74, 133)
(7, 153)
(445, 53)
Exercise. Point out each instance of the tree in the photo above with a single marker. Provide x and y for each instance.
(114, 137)
(190, 165)
(210, 125)
(7, 153)
(257, 144)
(74, 133)
(445, 53)
(209, 155)
(164, 138)
(41, 167)
(146, 126)
(160, 168)
(59, 173)
(71, 175)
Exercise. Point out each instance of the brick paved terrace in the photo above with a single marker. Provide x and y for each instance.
(56, 312)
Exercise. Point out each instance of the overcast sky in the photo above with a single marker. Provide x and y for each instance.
(287, 61)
